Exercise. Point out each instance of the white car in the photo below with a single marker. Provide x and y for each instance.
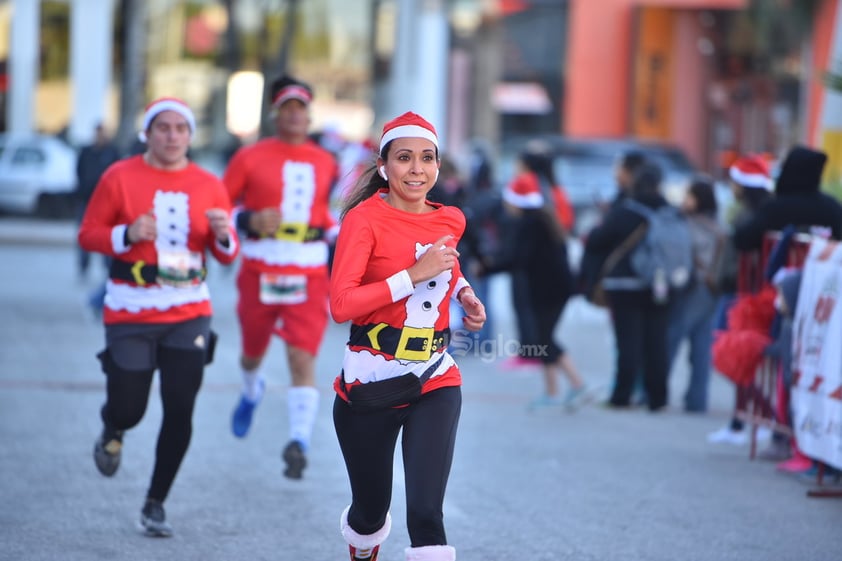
(37, 175)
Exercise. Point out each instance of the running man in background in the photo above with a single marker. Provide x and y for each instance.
(281, 187)
(156, 215)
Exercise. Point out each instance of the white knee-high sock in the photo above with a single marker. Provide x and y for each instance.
(303, 403)
(253, 384)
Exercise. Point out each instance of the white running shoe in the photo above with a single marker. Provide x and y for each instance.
(727, 435)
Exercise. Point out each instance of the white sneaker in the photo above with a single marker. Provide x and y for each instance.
(727, 435)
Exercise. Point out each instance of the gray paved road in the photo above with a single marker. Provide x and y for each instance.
(595, 485)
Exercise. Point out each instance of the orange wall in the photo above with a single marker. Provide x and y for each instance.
(822, 36)
(691, 76)
(598, 85)
(597, 81)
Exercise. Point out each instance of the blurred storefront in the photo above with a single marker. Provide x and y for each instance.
(185, 48)
(698, 73)
(695, 73)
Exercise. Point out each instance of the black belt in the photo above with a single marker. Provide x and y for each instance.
(290, 231)
(139, 272)
(407, 343)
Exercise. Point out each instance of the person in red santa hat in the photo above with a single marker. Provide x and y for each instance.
(281, 187)
(542, 282)
(395, 271)
(751, 184)
(156, 215)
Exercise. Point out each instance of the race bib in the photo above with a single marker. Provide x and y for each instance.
(283, 289)
(179, 267)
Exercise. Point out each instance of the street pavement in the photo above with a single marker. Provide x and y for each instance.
(592, 485)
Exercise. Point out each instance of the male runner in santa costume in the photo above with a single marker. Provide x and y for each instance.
(281, 188)
(156, 215)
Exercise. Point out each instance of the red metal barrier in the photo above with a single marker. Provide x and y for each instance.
(760, 398)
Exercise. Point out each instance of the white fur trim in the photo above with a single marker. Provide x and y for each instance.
(530, 200)
(408, 131)
(750, 179)
(400, 285)
(293, 91)
(118, 238)
(364, 541)
(431, 553)
(166, 105)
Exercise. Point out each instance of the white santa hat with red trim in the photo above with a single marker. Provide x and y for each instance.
(408, 125)
(752, 172)
(162, 104)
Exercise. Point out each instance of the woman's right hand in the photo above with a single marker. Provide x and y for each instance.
(438, 258)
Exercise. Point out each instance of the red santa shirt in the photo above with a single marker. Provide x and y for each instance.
(297, 179)
(396, 328)
(178, 200)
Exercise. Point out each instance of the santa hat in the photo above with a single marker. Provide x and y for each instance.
(408, 125)
(752, 172)
(166, 104)
(286, 87)
(524, 192)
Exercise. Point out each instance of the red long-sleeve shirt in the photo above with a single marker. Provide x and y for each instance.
(370, 287)
(296, 179)
(178, 200)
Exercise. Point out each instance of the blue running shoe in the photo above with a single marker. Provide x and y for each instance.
(241, 419)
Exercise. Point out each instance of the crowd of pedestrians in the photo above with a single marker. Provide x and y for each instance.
(401, 243)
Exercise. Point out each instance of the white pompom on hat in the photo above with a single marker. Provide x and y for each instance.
(162, 104)
(752, 172)
(408, 125)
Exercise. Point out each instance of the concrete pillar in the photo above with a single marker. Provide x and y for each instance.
(91, 45)
(23, 66)
(420, 66)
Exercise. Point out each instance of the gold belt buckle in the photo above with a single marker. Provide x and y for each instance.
(292, 231)
(409, 333)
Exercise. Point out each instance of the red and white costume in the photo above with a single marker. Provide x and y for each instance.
(296, 179)
(178, 199)
(371, 287)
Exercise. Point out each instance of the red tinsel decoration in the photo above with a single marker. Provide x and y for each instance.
(753, 312)
(737, 354)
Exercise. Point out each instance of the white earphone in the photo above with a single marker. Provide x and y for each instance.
(382, 171)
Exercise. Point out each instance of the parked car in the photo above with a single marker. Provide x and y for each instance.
(37, 175)
(585, 168)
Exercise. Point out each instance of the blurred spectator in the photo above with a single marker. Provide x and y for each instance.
(449, 189)
(93, 160)
(798, 201)
(751, 185)
(542, 281)
(591, 264)
(640, 323)
(692, 311)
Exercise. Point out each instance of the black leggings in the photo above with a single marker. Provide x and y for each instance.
(129, 362)
(368, 444)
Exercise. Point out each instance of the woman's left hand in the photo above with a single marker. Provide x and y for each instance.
(474, 312)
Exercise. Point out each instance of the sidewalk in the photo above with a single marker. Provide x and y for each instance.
(35, 231)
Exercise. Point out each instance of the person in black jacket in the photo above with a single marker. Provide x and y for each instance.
(797, 202)
(536, 257)
(640, 324)
(93, 160)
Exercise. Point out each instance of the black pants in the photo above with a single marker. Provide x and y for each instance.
(546, 313)
(134, 352)
(368, 444)
(640, 329)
